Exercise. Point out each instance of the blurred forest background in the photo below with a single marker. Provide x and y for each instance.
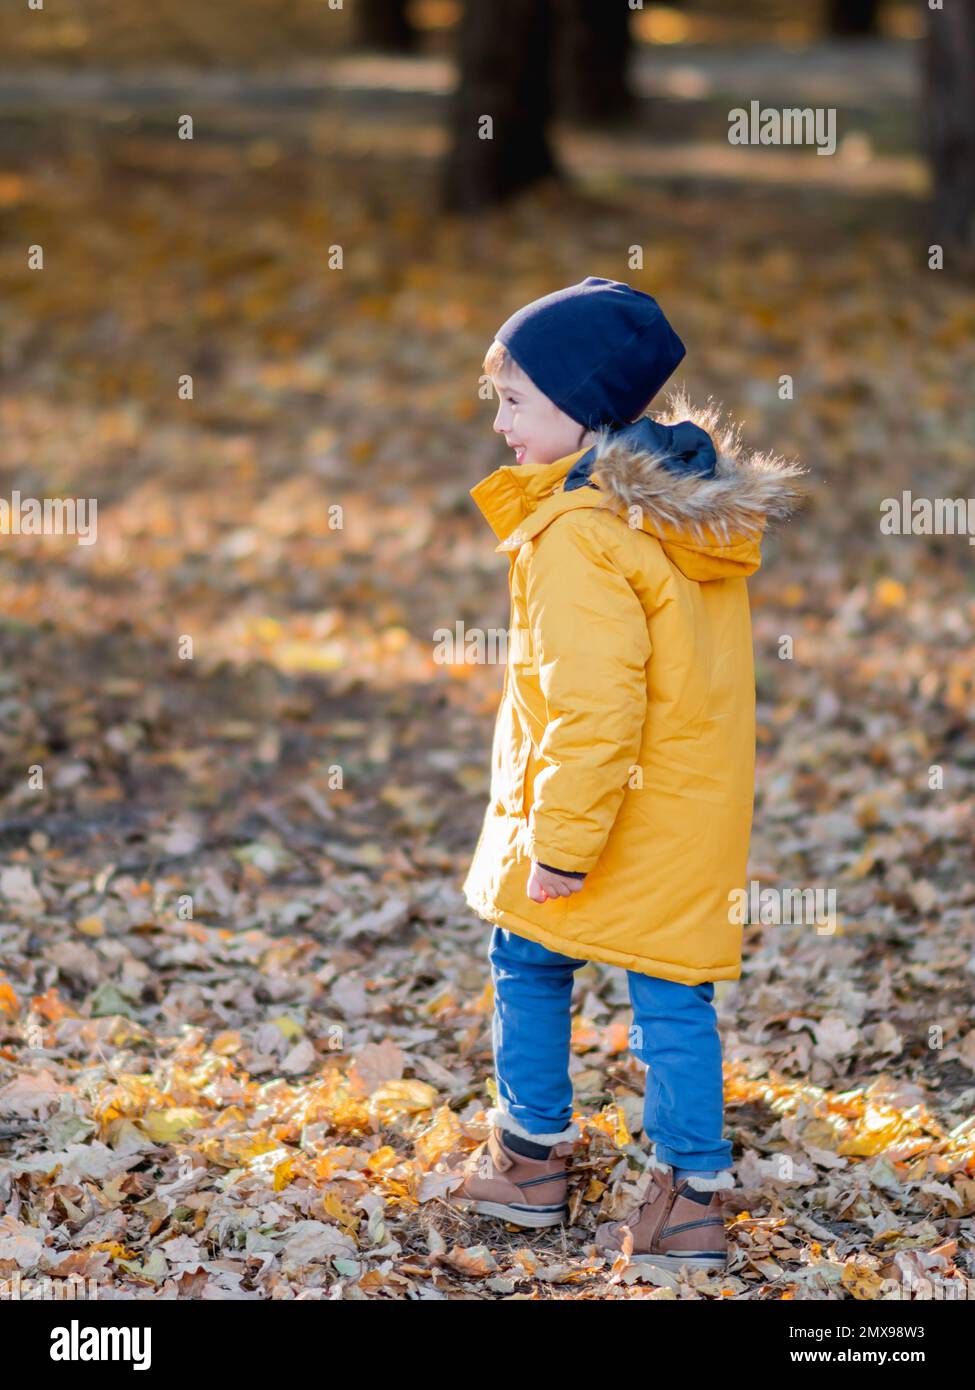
(243, 1009)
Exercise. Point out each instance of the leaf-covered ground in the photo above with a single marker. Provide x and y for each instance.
(244, 1009)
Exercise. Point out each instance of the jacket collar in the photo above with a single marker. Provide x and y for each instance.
(519, 500)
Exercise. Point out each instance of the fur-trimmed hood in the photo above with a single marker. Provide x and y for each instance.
(709, 526)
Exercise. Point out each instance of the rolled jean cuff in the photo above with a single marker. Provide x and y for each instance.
(503, 1120)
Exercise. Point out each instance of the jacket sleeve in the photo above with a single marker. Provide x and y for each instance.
(566, 873)
(589, 634)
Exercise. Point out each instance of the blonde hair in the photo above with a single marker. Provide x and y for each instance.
(498, 360)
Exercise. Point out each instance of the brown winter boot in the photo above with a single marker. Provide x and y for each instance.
(671, 1229)
(500, 1182)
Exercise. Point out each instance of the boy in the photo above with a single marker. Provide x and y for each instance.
(624, 752)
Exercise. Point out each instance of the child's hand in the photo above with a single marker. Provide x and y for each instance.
(544, 884)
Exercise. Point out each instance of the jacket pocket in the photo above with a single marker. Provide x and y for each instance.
(534, 764)
(514, 802)
(509, 761)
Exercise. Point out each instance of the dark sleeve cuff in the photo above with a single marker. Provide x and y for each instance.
(566, 873)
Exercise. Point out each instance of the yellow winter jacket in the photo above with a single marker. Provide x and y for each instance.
(625, 739)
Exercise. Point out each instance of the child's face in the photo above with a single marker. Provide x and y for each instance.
(533, 425)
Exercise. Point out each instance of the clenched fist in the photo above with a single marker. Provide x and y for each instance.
(544, 884)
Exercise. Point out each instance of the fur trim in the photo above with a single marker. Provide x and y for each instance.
(747, 490)
(724, 1178)
(505, 1121)
(654, 1162)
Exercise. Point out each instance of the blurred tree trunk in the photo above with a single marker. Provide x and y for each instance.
(505, 75)
(949, 114)
(384, 24)
(594, 51)
(851, 18)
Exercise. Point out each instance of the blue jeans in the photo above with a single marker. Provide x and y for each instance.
(675, 1032)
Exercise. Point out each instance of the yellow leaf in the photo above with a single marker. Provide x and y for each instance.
(13, 190)
(342, 1215)
(266, 629)
(283, 1173)
(289, 1027)
(112, 1189)
(309, 656)
(162, 1126)
(396, 1098)
(382, 1159)
(245, 1147)
(113, 1249)
(878, 1130)
(443, 1137)
(623, 1135)
(616, 1038)
(8, 1000)
(612, 1122)
(585, 1035)
(891, 593)
(863, 1282)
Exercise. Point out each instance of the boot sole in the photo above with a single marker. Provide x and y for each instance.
(535, 1218)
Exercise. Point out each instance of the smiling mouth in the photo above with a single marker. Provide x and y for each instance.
(519, 451)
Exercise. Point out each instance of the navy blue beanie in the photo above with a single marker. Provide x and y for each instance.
(600, 350)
